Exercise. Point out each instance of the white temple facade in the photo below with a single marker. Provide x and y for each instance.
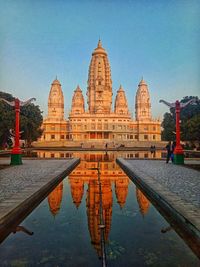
(98, 123)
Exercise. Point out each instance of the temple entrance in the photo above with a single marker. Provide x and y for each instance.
(99, 135)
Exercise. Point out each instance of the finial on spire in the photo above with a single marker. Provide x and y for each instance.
(99, 43)
(142, 82)
(78, 88)
(56, 77)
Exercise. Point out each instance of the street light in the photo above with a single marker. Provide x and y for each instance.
(178, 152)
(16, 154)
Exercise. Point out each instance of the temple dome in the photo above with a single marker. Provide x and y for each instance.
(142, 82)
(78, 105)
(56, 81)
(78, 89)
(121, 105)
(99, 49)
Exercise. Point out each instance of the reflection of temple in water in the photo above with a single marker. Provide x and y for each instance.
(111, 174)
(93, 211)
(77, 190)
(90, 156)
(121, 190)
(55, 199)
(143, 202)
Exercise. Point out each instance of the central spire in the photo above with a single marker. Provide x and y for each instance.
(99, 89)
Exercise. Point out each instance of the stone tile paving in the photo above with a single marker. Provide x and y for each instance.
(183, 181)
(15, 178)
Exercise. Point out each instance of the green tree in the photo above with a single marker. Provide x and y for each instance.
(192, 129)
(7, 117)
(188, 116)
(168, 125)
(30, 120)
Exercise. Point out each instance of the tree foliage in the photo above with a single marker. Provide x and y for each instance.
(190, 122)
(168, 125)
(7, 117)
(30, 120)
(191, 128)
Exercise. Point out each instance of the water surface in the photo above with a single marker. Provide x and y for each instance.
(66, 224)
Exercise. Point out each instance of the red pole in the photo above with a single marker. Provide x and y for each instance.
(178, 149)
(16, 149)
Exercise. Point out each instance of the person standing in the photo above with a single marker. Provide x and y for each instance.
(173, 148)
(169, 151)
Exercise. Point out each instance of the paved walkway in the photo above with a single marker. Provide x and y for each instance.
(174, 188)
(23, 187)
(182, 181)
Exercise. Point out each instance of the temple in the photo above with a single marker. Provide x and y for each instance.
(102, 121)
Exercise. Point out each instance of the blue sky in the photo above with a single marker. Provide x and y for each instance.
(157, 39)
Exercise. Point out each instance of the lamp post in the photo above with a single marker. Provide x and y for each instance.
(178, 152)
(16, 154)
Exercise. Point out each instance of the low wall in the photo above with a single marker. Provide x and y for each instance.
(99, 144)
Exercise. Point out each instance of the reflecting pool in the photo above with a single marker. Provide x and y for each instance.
(66, 224)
